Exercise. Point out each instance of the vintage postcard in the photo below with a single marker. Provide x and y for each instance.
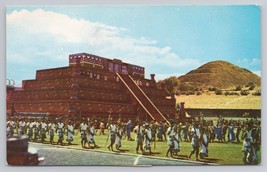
(133, 85)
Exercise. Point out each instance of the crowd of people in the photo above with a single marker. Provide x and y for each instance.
(200, 133)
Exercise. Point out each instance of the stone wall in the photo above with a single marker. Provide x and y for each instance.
(224, 112)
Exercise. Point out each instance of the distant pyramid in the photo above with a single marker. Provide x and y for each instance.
(219, 74)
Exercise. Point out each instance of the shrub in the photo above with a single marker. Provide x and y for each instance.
(212, 89)
(218, 92)
(252, 87)
(244, 92)
(257, 93)
(199, 93)
(190, 93)
(231, 93)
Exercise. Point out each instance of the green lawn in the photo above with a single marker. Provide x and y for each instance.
(219, 153)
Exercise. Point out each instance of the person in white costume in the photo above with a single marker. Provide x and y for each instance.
(8, 129)
(91, 135)
(43, 130)
(60, 131)
(204, 144)
(70, 132)
(36, 129)
(51, 130)
(139, 131)
(119, 134)
(83, 130)
(173, 141)
(195, 135)
(22, 125)
(112, 134)
(30, 126)
(147, 138)
(247, 145)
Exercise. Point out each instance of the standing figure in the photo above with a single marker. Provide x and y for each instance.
(185, 131)
(91, 135)
(51, 129)
(8, 129)
(83, 129)
(219, 131)
(173, 140)
(204, 144)
(231, 129)
(238, 130)
(247, 140)
(35, 132)
(224, 131)
(60, 132)
(165, 127)
(30, 126)
(70, 132)
(139, 131)
(112, 133)
(212, 132)
(179, 130)
(147, 138)
(195, 135)
(119, 133)
(43, 130)
(129, 126)
(160, 131)
(101, 128)
(255, 146)
(22, 125)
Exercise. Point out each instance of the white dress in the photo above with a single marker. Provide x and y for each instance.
(147, 139)
(204, 150)
(91, 135)
(83, 128)
(176, 145)
(118, 137)
(170, 133)
(70, 131)
(60, 129)
(22, 125)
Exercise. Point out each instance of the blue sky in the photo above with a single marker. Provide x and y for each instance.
(166, 40)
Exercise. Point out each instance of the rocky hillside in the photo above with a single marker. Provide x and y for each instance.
(219, 74)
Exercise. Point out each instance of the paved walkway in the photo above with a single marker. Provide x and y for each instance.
(71, 155)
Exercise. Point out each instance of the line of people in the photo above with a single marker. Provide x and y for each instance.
(37, 129)
(199, 133)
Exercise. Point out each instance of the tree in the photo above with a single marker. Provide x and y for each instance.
(160, 84)
(184, 87)
(171, 84)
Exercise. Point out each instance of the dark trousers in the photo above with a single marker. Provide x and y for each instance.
(195, 150)
(139, 144)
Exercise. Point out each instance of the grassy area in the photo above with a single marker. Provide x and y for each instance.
(220, 101)
(219, 153)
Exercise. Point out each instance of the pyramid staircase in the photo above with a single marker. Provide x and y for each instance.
(142, 99)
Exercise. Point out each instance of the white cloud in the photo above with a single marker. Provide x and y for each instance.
(52, 35)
